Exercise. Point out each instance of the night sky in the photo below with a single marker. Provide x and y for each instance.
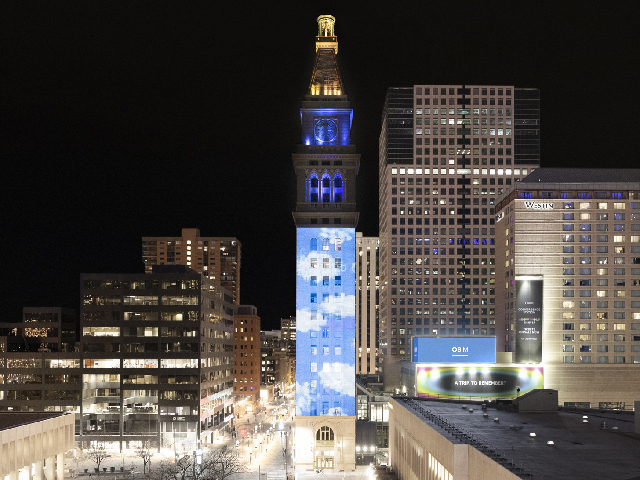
(127, 119)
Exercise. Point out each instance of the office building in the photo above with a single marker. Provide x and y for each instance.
(326, 165)
(372, 413)
(288, 334)
(51, 329)
(41, 382)
(367, 304)
(269, 345)
(278, 365)
(217, 258)
(446, 153)
(576, 234)
(156, 359)
(247, 357)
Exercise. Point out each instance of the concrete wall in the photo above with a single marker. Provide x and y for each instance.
(31, 444)
(594, 383)
(417, 451)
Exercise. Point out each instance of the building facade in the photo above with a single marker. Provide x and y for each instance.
(33, 445)
(288, 333)
(326, 165)
(50, 329)
(217, 258)
(247, 357)
(367, 304)
(446, 153)
(577, 231)
(156, 359)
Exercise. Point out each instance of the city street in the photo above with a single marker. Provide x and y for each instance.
(261, 449)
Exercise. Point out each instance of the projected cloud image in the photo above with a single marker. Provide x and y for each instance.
(325, 316)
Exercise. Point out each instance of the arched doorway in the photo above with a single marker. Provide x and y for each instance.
(325, 448)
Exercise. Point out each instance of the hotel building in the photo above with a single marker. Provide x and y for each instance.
(578, 232)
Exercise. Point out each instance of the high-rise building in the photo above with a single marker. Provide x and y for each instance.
(217, 258)
(326, 165)
(446, 153)
(156, 358)
(568, 243)
(288, 334)
(367, 304)
(246, 357)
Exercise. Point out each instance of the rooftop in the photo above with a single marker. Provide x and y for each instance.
(605, 446)
(16, 419)
(583, 175)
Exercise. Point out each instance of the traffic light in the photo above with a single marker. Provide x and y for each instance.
(177, 456)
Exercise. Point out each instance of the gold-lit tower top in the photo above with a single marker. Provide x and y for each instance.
(326, 79)
(326, 35)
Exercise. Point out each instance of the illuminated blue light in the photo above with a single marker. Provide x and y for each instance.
(325, 343)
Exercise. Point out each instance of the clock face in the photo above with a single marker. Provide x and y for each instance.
(326, 130)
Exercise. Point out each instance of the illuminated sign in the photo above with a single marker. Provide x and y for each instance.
(538, 206)
(454, 350)
(499, 217)
(528, 321)
(325, 322)
(471, 381)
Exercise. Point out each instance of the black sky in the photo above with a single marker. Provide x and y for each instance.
(125, 119)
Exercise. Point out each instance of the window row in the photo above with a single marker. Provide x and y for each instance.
(325, 189)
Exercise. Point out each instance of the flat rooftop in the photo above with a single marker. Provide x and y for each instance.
(581, 450)
(583, 175)
(15, 419)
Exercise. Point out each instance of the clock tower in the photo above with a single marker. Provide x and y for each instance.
(326, 165)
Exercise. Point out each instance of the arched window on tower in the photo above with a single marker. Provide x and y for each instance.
(325, 244)
(337, 188)
(313, 188)
(326, 188)
(313, 245)
(324, 434)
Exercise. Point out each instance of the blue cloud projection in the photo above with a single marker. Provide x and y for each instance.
(325, 322)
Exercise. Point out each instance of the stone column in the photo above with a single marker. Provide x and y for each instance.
(60, 469)
(50, 468)
(38, 473)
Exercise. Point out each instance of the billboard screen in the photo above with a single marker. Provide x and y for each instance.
(528, 321)
(454, 350)
(325, 321)
(469, 381)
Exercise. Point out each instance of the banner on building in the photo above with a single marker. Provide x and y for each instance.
(528, 321)
(471, 381)
(454, 349)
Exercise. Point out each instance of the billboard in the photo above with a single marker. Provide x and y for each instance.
(325, 321)
(471, 381)
(528, 320)
(454, 350)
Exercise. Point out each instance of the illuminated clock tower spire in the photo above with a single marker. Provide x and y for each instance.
(326, 165)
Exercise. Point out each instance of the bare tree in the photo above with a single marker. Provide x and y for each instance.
(222, 463)
(180, 469)
(145, 452)
(96, 453)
